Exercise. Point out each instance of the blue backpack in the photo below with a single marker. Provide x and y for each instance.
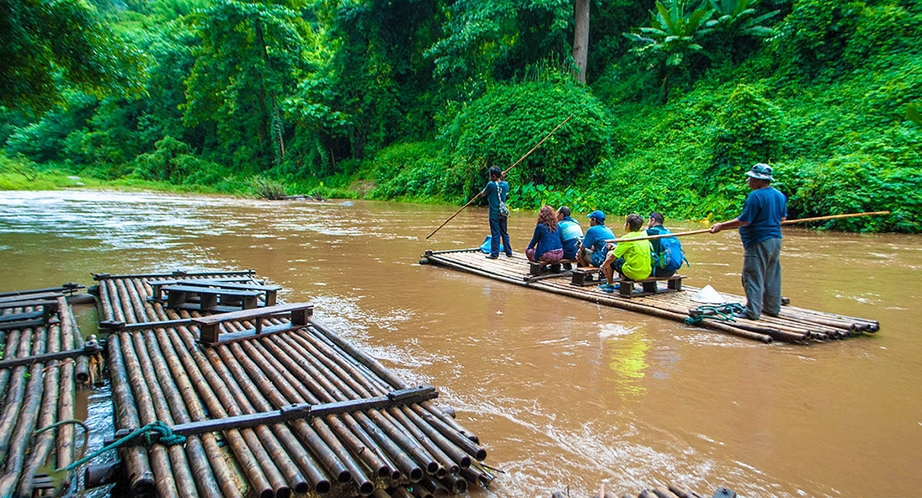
(672, 255)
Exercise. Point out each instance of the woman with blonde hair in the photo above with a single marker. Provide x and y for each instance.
(545, 245)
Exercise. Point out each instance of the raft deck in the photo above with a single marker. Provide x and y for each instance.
(288, 407)
(44, 359)
(794, 325)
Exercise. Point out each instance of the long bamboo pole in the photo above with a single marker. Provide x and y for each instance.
(785, 222)
(504, 172)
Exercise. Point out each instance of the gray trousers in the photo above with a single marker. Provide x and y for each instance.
(762, 278)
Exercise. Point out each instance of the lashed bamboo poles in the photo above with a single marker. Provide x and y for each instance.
(25, 420)
(43, 444)
(223, 360)
(450, 430)
(322, 485)
(293, 475)
(15, 393)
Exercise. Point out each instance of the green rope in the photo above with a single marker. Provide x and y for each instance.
(167, 437)
(722, 312)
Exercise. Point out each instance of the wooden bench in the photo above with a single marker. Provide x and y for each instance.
(209, 326)
(539, 268)
(158, 285)
(587, 275)
(626, 287)
(178, 296)
(49, 306)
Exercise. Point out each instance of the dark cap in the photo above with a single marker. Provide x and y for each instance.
(657, 217)
(495, 171)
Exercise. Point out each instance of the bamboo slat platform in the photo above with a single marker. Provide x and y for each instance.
(38, 380)
(794, 325)
(160, 371)
(668, 491)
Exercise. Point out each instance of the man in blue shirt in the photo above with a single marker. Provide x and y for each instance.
(594, 246)
(570, 232)
(760, 231)
(497, 189)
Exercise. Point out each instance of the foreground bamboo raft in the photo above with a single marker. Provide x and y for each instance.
(794, 325)
(44, 359)
(292, 410)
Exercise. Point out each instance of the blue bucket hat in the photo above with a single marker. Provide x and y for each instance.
(597, 215)
(760, 171)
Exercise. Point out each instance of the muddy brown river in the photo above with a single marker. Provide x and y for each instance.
(563, 393)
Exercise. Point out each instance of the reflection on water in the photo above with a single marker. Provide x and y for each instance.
(563, 393)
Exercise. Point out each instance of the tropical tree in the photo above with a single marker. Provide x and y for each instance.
(42, 43)
(674, 32)
(249, 58)
(735, 22)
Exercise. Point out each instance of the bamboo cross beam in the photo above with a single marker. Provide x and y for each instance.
(785, 222)
(504, 172)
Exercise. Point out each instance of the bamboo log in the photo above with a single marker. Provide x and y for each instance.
(64, 445)
(42, 445)
(140, 476)
(10, 351)
(15, 395)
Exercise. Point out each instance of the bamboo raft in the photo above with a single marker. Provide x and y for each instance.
(668, 491)
(347, 442)
(794, 325)
(44, 360)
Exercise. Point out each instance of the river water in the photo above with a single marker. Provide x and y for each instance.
(563, 393)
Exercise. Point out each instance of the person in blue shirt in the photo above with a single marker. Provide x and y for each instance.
(594, 246)
(570, 232)
(497, 189)
(545, 245)
(760, 230)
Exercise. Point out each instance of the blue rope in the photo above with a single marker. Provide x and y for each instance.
(167, 437)
(723, 313)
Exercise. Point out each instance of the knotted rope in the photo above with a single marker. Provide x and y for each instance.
(721, 312)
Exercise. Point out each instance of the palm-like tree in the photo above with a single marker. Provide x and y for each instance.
(674, 31)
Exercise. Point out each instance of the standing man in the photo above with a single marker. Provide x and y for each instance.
(570, 232)
(593, 248)
(760, 231)
(496, 191)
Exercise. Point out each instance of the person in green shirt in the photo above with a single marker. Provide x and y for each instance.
(631, 259)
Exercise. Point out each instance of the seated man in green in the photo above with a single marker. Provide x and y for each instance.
(631, 259)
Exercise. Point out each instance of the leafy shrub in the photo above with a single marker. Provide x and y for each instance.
(415, 169)
(266, 188)
(747, 132)
(508, 121)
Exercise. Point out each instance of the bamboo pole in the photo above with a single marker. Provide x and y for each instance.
(504, 172)
(785, 222)
(14, 395)
(43, 444)
(64, 446)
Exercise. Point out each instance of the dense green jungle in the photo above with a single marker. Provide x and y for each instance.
(411, 100)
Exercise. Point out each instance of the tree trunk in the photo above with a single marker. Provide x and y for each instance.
(581, 38)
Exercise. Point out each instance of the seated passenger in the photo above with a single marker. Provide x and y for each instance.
(668, 255)
(631, 259)
(593, 247)
(570, 232)
(545, 246)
